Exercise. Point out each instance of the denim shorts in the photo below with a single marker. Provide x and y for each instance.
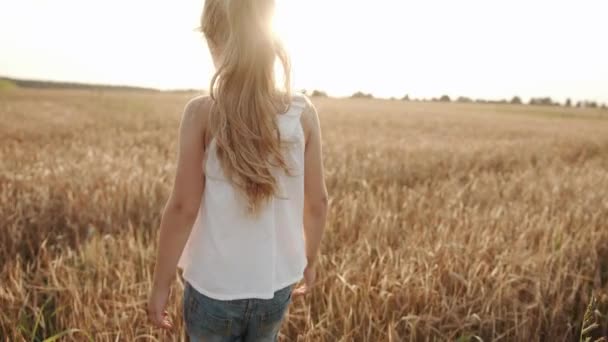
(244, 320)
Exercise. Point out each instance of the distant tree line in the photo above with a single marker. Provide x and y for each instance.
(515, 100)
(362, 95)
(315, 93)
(543, 101)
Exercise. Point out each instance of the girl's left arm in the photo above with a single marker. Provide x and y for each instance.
(181, 209)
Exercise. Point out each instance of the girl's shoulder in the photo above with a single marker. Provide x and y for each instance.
(300, 99)
(199, 108)
(198, 103)
(197, 112)
(308, 113)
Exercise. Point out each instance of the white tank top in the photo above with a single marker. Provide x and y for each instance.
(232, 255)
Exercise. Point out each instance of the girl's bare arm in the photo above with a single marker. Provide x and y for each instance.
(182, 207)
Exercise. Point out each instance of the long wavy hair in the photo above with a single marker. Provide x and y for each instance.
(246, 99)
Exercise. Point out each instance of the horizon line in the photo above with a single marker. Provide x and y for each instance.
(308, 92)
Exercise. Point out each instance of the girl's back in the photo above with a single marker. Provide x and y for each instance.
(250, 256)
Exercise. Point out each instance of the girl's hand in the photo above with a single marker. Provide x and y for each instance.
(310, 275)
(156, 309)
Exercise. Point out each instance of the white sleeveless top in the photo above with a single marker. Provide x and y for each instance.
(231, 255)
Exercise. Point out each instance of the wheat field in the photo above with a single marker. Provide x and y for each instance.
(448, 222)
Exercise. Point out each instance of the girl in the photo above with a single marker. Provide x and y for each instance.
(245, 218)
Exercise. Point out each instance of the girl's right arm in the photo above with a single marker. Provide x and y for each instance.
(315, 195)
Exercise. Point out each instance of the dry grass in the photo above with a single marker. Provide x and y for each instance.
(447, 221)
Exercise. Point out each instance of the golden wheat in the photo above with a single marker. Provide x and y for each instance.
(447, 222)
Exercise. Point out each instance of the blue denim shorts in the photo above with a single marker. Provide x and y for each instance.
(245, 320)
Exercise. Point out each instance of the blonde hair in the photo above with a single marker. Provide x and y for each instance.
(245, 97)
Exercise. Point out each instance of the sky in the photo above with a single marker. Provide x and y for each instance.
(425, 48)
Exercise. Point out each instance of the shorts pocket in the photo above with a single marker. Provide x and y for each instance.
(270, 320)
(200, 322)
(211, 324)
